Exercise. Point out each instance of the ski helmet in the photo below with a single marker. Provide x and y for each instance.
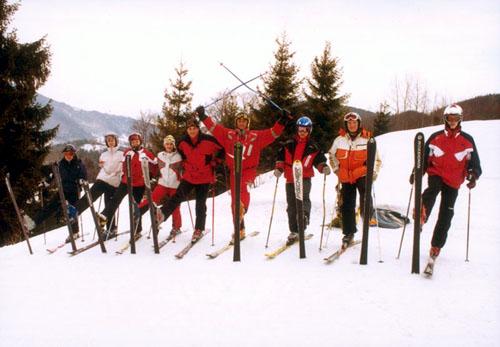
(452, 110)
(135, 136)
(352, 116)
(305, 122)
(110, 135)
(243, 115)
(169, 139)
(69, 148)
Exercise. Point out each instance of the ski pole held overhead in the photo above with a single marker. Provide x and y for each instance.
(232, 90)
(251, 89)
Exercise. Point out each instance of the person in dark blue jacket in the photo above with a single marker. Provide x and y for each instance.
(72, 171)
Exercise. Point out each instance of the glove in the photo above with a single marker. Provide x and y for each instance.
(278, 173)
(326, 170)
(471, 177)
(200, 110)
(285, 117)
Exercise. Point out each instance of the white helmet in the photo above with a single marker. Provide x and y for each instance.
(452, 110)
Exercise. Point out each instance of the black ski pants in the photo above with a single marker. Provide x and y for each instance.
(446, 208)
(98, 188)
(117, 198)
(348, 208)
(291, 208)
(53, 207)
(182, 194)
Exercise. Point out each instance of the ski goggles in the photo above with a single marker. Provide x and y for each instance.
(351, 116)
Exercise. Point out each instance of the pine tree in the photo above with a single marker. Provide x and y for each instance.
(176, 108)
(281, 85)
(325, 106)
(382, 120)
(24, 67)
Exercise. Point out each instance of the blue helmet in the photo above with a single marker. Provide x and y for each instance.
(305, 122)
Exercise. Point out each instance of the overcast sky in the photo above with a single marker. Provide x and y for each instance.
(118, 56)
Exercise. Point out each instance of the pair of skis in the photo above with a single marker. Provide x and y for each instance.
(228, 246)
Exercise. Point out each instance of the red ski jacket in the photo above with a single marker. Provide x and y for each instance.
(253, 142)
(307, 151)
(198, 158)
(135, 165)
(450, 154)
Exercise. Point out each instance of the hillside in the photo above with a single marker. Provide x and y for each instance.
(75, 124)
(145, 299)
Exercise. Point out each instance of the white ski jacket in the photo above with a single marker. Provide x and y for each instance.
(169, 178)
(110, 162)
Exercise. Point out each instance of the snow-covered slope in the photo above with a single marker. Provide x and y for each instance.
(145, 299)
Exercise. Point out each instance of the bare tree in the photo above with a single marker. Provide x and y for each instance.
(145, 126)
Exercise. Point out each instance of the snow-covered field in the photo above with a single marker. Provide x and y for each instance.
(145, 299)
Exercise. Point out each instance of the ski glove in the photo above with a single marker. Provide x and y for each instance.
(326, 170)
(471, 177)
(200, 111)
(286, 116)
(278, 173)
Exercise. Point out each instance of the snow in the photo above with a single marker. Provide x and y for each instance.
(145, 299)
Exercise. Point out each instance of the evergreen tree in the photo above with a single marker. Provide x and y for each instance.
(176, 108)
(281, 85)
(325, 106)
(24, 67)
(382, 121)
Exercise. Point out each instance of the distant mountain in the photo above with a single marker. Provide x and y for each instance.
(75, 124)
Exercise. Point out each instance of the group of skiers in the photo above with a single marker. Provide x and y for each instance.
(450, 158)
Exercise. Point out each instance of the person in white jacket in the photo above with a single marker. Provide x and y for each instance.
(107, 179)
(170, 164)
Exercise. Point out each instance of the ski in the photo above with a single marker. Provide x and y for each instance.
(151, 204)
(299, 202)
(167, 240)
(370, 163)
(53, 250)
(334, 256)
(64, 204)
(284, 247)
(126, 246)
(238, 153)
(18, 212)
(429, 268)
(100, 232)
(418, 173)
(190, 245)
(228, 246)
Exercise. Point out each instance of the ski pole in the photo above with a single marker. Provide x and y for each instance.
(272, 212)
(378, 228)
(81, 222)
(337, 191)
(324, 213)
(404, 225)
(98, 209)
(253, 90)
(190, 214)
(231, 91)
(468, 225)
(213, 213)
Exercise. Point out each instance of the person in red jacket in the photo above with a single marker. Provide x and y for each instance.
(450, 157)
(300, 147)
(253, 141)
(137, 153)
(198, 153)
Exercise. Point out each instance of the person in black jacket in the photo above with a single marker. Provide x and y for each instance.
(72, 171)
(300, 147)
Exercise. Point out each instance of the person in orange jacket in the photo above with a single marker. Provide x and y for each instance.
(348, 156)
(253, 141)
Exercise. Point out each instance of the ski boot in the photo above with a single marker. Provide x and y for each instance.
(347, 240)
(102, 220)
(197, 234)
(73, 236)
(173, 233)
(292, 238)
(242, 235)
(434, 252)
(28, 222)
